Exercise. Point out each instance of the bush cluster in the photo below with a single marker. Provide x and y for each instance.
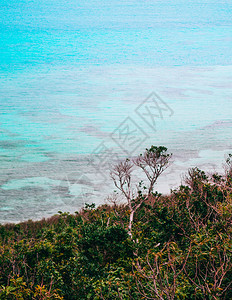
(178, 248)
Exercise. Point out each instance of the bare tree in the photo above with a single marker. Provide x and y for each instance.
(121, 176)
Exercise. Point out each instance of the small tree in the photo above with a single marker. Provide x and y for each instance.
(121, 176)
(153, 162)
(195, 179)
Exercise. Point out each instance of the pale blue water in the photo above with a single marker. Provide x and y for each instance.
(70, 74)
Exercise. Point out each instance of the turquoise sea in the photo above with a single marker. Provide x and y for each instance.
(85, 84)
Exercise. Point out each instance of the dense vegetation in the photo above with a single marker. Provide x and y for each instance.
(153, 247)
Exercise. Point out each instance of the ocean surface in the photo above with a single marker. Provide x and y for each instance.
(83, 85)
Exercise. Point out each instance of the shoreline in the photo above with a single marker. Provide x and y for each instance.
(168, 181)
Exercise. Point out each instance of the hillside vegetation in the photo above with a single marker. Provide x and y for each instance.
(150, 247)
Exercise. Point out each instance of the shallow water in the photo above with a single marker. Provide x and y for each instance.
(73, 84)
